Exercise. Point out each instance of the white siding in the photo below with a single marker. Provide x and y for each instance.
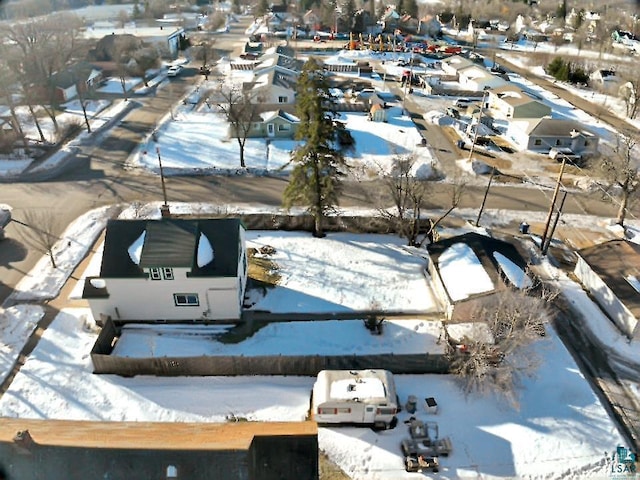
(146, 299)
(607, 300)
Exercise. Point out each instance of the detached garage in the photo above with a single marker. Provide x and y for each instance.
(610, 272)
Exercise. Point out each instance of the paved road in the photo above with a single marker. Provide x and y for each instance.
(96, 177)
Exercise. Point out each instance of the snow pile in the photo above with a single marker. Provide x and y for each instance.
(17, 323)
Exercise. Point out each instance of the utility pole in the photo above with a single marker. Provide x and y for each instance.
(553, 203)
(486, 193)
(475, 135)
(164, 209)
(555, 224)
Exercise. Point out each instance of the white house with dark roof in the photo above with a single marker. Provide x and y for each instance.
(170, 270)
(543, 134)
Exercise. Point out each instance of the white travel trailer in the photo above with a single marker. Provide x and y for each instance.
(360, 397)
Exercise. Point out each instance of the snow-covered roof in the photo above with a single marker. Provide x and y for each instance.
(462, 273)
(516, 275)
(268, 116)
(349, 389)
(354, 384)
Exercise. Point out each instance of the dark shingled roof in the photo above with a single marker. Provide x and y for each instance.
(171, 243)
(483, 247)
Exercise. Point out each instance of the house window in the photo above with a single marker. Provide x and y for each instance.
(167, 273)
(557, 142)
(154, 273)
(186, 299)
(538, 142)
(283, 128)
(586, 143)
(172, 472)
(283, 99)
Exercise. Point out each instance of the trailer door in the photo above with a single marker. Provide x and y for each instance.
(369, 414)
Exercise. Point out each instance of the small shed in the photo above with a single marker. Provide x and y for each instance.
(377, 113)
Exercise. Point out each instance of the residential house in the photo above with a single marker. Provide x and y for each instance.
(468, 271)
(610, 272)
(450, 66)
(271, 124)
(510, 101)
(170, 269)
(82, 76)
(542, 134)
(270, 60)
(390, 20)
(166, 40)
(312, 19)
(99, 450)
(430, 25)
(274, 86)
(477, 78)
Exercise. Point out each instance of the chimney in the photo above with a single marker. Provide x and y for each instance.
(24, 442)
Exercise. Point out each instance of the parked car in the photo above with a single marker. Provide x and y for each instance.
(174, 70)
(462, 102)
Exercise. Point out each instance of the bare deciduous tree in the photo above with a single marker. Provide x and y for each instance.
(458, 188)
(39, 233)
(629, 94)
(407, 194)
(125, 64)
(206, 53)
(46, 45)
(240, 109)
(622, 172)
(516, 319)
(8, 80)
(145, 59)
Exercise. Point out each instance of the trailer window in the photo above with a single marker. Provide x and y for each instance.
(386, 411)
(327, 411)
(344, 410)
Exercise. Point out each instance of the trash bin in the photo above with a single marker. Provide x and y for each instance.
(524, 228)
(411, 405)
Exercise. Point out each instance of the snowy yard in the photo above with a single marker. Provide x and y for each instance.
(183, 141)
(558, 412)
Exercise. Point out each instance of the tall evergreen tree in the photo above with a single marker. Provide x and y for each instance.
(315, 181)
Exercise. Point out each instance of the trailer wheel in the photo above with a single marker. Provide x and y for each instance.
(377, 426)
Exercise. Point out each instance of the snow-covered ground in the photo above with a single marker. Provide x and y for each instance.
(559, 430)
(183, 140)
